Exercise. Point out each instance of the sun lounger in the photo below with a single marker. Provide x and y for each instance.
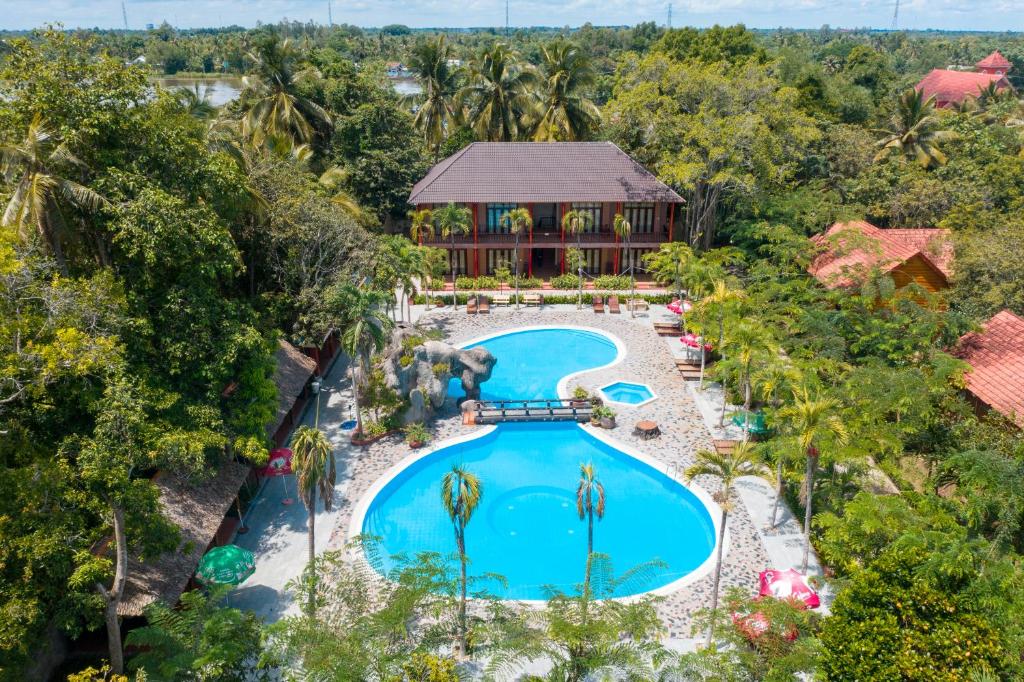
(502, 299)
(613, 305)
(598, 304)
(484, 305)
(532, 299)
(471, 305)
(637, 304)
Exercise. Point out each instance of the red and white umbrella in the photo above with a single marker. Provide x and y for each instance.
(679, 307)
(280, 464)
(691, 340)
(789, 584)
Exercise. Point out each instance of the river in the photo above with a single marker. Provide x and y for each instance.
(222, 90)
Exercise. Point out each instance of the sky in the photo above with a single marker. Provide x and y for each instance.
(993, 15)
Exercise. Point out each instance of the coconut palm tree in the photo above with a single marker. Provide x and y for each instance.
(774, 380)
(436, 110)
(517, 220)
(726, 468)
(748, 342)
(497, 94)
(274, 106)
(196, 101)
(718, 301)
(364, 325)
(453, 220)
(565, 113)
(913, 132)
(32, 167)
(589, 503)
(421, 225)
(575, 223)
(809, 420)
(667, 265)
(461, 491)
(313, 464)
(624, 229)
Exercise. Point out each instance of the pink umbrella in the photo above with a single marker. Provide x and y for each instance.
(679, 308)
(280, 464)
(691, 340)
(788, 584)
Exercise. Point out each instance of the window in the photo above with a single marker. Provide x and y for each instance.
(594, 211)
(457, 261)
(592, 258)
(495, 212)
(637, 259)
(498, 257)
(640, 216)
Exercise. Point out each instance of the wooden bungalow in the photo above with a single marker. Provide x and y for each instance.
(850, 250)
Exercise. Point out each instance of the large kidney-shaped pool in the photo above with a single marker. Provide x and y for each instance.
(526, 527)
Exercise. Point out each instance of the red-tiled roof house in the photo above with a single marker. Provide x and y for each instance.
(996, 357)
(952, 87)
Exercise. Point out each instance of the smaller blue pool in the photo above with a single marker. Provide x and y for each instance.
(628, 393)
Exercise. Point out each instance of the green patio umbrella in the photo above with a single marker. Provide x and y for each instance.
(227, 565)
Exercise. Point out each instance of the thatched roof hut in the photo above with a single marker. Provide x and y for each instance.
(292, 373)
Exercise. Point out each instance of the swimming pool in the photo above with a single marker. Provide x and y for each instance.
(526, 527)
(628, 393)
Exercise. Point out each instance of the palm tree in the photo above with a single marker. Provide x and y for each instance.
(196, 102)
(668, 265)
(421, 225)
(624, 230)
(808, 420)
(364, 329)
(773, 381)
(748, 342)
(31, 166)
(453, 220)
(913, 131)
(565, 112)
(719, 300)
(726, 468)
(575, 223)
(274, 106)
(461, 491)
(517, 220)
(313, 464)
(589, 502)
(435, 104)
(497, 93)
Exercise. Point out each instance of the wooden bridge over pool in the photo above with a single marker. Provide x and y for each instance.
(542, 410)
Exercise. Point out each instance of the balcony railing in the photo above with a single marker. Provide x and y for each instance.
(551, 237)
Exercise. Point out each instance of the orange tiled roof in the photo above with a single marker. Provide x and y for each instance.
(886, 249)
(955, 86)
(996, 357)
(994, 61)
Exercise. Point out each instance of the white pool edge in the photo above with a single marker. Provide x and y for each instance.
(360, 510)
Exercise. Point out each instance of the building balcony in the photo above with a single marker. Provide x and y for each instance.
(551, 238)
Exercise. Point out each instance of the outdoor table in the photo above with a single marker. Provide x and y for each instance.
(646, 430)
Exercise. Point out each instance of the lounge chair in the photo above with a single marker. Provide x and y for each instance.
(502, 299)
(613, 305)
(598, 304)
(484, 305)
(471, 305)
(533, 299)
(637, 304)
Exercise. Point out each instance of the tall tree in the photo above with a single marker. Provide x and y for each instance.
(497, 94)
(750, 343)
(364, 326)
(809, 420)
(461, 491)
(590, 502)
(33, 166)
(436, 111)
(275, 106)
(313, 464)
(913, 132)
(726, 469)
(565, 112)
(575, 223)
(453, 220)
(516, 221)
(624, 229)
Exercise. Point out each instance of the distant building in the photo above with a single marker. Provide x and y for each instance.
(952, 87)
(548, 179)
(996, 356)
(851, 249)
(396, 69)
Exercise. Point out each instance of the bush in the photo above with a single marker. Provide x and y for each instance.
(550, 299)
(565, 282)
(580, 393)
(465, 282)
(441, 368)
(373, 429)
(405, 360)
(530, 282)
(612, 282)
(416, 433)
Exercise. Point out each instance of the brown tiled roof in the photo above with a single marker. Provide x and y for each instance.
(994, 61)
(197, 509)
(539, 172)
(861, 246)
(996, 357)
(955, 86)
(293, 370)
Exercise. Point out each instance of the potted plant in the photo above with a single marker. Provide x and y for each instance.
(603, 416)
(416, 435)
(580, 397)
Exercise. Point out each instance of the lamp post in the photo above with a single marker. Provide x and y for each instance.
(316, 390)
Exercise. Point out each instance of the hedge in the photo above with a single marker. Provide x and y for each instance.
(612, 282)
(550, 299)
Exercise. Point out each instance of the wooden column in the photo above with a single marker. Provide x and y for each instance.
(671, 218)
(616, 256)
(561, 216)
(529, 261)
(476, 254)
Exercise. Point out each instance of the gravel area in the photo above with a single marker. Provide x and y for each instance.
(683, 433)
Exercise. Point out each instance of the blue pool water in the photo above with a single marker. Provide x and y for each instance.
(625, 392)
(526, 527)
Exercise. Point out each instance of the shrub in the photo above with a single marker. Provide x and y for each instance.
(410, 342)
(530, 282)
(565, 282)
(405, 360)
(416, 433)
(611, 282)
(465, 282)
(373, 429)
(441, 368)
(580, 393)
(550, 299)
(485, 282)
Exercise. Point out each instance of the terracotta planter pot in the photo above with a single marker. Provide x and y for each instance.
(608, 422)
(417, 444)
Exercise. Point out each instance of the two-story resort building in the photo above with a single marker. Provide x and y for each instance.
(951, 87)
(548, 179)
